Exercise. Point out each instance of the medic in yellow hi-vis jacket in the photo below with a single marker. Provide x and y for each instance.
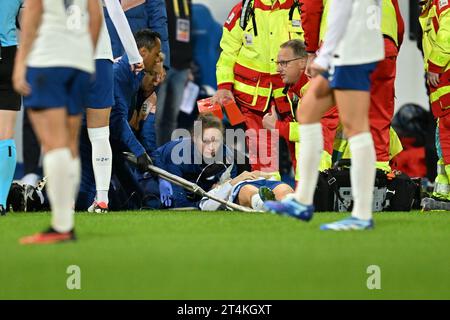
(246, 70)
(435, 22)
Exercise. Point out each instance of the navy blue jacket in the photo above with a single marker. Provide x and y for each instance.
(126, 86)
(168, 157)
(153, 15)
(206, 35)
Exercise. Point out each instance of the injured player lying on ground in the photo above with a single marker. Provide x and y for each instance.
(249, 189)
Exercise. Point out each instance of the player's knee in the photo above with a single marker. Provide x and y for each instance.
(245, 195)
(281, 191)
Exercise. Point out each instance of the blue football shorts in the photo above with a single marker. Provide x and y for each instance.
(101, 91)
(354, 77)
(57, 87)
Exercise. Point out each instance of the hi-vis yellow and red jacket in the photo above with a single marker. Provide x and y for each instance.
(435, 22)
(247, 64)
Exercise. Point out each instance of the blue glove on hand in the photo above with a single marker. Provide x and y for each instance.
(165, 192)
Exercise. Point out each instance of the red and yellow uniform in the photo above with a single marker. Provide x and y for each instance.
(247, 63)
(435, 22)
(314, 20)
(329, 121)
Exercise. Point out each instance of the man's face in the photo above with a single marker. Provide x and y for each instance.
(289, 66)
(151, 57)
(210, 143)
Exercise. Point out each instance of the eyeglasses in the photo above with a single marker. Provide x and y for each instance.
(284, 63)
(214, 142)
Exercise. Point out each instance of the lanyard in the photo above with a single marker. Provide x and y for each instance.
(176, 8)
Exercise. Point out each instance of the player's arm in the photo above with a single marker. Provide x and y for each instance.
(148, 133)
(338, 18)
(179, 197)
(95, 20)
(121, 130)
(230, 44)
(31, 20)
(123, 29)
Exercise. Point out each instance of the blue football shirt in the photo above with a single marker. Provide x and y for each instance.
(8, 14)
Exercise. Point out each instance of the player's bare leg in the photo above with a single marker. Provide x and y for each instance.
(354, 109)
(249, 197)
(52, 129)
(281, 191)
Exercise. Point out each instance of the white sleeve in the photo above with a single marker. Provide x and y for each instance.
(338, 18)
(223, 192)
(120, 22)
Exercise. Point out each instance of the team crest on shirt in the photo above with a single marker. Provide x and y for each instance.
(443, 3)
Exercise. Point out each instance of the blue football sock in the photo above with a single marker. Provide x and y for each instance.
(7, 168)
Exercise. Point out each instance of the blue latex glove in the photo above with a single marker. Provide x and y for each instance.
(165, 192)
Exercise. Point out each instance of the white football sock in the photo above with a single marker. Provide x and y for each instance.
(362, 174)
(257, 202)
(59, 188)
(311, 147)
(101, 161)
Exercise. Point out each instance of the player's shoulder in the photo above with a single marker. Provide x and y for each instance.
(233, 16)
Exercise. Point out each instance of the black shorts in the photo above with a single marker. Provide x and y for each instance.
(9, 99)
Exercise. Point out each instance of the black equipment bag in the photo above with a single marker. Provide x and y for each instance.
(403, 193)
(393, 192)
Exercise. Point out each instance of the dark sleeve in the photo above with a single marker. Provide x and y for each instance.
(120, 128)
(180, 199)
(157, 21)
(234, 171)
(148, 133)
(163, 160)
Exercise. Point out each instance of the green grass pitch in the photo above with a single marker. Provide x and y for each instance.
(222, 255)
